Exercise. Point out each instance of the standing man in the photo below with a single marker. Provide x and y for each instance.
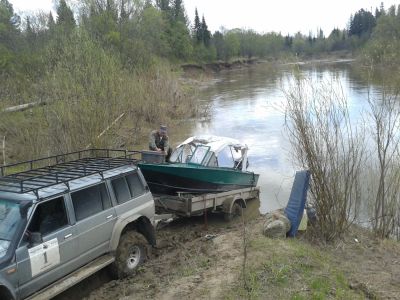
(158, 141)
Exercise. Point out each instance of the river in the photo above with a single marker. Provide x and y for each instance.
(248, 104)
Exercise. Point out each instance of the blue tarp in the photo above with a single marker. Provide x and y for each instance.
(297, 200)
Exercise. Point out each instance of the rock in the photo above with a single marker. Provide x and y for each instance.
(276, 224)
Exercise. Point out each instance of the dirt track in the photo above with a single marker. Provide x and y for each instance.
(188, 260)
(192, 262)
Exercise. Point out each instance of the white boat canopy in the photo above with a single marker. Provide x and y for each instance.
(212, 151)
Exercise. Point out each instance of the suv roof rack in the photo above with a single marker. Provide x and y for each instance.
(45, 172)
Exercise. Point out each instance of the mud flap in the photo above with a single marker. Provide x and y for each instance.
(146, 228)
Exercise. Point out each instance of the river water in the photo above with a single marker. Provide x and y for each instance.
(248, 104)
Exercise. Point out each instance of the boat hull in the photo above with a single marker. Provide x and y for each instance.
(175, 178)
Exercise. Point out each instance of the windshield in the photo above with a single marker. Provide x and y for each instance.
(182, 154)
(9, 219)
(200, 154)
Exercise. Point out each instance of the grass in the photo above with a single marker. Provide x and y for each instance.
(193, 266)
(290, 269)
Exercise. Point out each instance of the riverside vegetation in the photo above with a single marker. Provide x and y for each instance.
(114, 64)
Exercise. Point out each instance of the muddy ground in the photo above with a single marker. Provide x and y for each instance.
(189, 259)
(195, 261)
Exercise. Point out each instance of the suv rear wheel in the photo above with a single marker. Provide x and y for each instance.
(132, 251)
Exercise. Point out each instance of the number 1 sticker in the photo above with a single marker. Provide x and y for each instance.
(44, 256)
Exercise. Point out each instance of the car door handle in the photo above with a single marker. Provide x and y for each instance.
(109, 217)
(67, 236)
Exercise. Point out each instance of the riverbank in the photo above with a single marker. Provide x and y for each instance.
(335, 57)
(218, 65)
(195, 262)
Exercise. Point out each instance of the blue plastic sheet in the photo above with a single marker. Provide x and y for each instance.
(297, 200)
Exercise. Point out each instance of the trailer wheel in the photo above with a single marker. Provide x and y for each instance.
(236, 211)
(132, 252)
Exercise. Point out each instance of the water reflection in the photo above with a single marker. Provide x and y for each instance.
(248, 104)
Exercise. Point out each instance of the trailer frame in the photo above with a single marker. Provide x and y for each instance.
(189, 205)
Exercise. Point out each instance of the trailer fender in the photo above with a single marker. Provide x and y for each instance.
(228, 204)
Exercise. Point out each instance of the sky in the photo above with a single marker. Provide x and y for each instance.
(284, 16)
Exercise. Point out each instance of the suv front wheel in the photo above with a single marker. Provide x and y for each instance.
(132, 251)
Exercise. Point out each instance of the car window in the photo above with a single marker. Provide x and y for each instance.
(49, 217)
(135, 184)
(121, 189)
(90, 201)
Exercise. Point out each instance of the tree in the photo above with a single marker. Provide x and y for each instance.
(362, 24)
(232, 44)
(9, 23)
(377, 13)
(382, 9)
(219, 44)
(336, 40)
(197, 33)
(382, 47)
(385, 117)
(321, 34)
(298, 44)
(288, 42)
(152, 33)
(65, 17)
(178, 12)
(392, 11)
(179, 41)
(50, 22)
(398, 11)
(325, 142)
(163, 5)
(30, 35)
(9, 35)
(205, 33)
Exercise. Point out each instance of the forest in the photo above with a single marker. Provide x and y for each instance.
(140, 31)
(120, 60)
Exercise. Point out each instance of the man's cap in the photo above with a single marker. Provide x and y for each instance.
(163, 129)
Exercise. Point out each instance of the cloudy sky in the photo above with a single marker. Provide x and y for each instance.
(285, 16)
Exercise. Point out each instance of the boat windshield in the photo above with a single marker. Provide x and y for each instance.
(230, 157)
(10, 217)
(201, 155)
(182, 154)
(225, 158)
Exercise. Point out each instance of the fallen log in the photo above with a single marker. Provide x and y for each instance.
(23, 107)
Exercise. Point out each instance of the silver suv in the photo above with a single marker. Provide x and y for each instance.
(64, 221)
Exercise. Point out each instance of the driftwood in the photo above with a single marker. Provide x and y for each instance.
(23, 107)
(108, 128)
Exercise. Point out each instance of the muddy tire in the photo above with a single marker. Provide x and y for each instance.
(237, 211)
(132, 252)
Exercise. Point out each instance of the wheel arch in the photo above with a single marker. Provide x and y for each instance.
(5, 293)
(138, 223)
(228, 204)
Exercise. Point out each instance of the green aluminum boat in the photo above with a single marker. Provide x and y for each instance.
(201, 164)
